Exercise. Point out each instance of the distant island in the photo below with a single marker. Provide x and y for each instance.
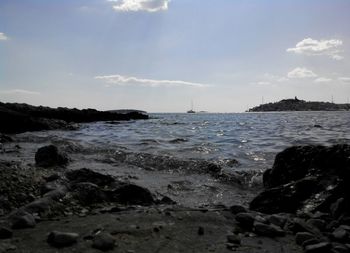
(296, 104)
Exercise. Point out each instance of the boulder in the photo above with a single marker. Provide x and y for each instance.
(87, 175)
(131, 194)
(48, 156)
(88, 193)
(103, 241)
(246, 220)
(62, 239)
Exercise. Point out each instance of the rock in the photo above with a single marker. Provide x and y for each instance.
(277, 220)
(245, 220)
(103, 241)
(340, 234)
(317, 223)
(48, 156)
(200, 231)
(340, 248)
(235, 209)
(299, 225)
(5, 232)
(301, 237)
(52, 177)
(6, 247)
(49, 186)
(88, 193)
(38, 206)
(337, 208)
(235, 239)
(267, 230)
(131, 194)
(165, 200)
(322, 247)
(57, 194)
(22, 220)
(62, 239)
(87, 175)
(312, 241)
(5, 138)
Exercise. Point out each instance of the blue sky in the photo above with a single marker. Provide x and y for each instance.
(158, 55)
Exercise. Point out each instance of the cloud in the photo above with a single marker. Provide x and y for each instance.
(301, 73)
(19, 91)
(318, 47)
(140, 5)
(322, 80)
(275, 78)
(344, 79)
(130, 80)
(3, 36)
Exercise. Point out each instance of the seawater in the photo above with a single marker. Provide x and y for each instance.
(253, 139)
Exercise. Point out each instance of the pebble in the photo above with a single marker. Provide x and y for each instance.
(103, 241)
(62, 239)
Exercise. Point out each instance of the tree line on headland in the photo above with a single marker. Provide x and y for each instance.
(300, 105)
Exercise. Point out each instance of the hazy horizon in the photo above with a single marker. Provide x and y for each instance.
(158, 55)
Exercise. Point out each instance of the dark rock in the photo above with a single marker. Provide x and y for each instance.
(167, 201)
(5, 232)
(298, 225)
(22, 220)
(312, 241)
(277, 220)
(301, 237)
(235, 239)
(337, 208)
(340, 234)
(103, 241)
(88, 193)
(57, 194)
(52, 177)
(267, 230)
(62, 239)
(245, 220)
(49, 186)
(87, 175)
(235, 209)
(322, 247)
(131, 194)
(317, 223)
(48, 156)
(4, 138)
(340, 248)
(200, 231)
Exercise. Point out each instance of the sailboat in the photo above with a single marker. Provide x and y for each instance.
(191, 111)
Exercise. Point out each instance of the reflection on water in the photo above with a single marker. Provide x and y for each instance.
(251, 138)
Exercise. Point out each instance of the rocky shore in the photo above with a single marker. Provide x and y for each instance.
(50, 199)
(18, 118)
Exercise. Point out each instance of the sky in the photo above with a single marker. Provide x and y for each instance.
(159, 55)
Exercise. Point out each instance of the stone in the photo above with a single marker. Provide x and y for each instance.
(301, 237)
(235, 239)
(62, 239)
(322, 247)
(22, 220)
(311, 242)
(103, 241)
(131, 194)
(48, 156)
(340, 248)
(340, 234)
(317, 223)
(88, 193)
(337, 208)
(267, 230)
(87, 175)
(5, 232)
(299, 225)
(235, 209)
(277, 220)
(246, 220)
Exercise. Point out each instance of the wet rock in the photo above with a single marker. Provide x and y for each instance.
(235, 209)
(245, 220)
(267, 230)
(235, 239)
(200, 231)
(104, 242)
(88, 193)
(22, 220)
(62, 239)
(317, 223)
(277, 220)
(301, 237)
(340, 234)
(48, 156)
(5, 232)
(131, 194)
(322, 247)
(87, 175)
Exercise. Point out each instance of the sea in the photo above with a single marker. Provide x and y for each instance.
(252, 139)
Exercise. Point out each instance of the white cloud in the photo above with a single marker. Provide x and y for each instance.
(130, 80)
(275, 78)
(140, 5)
(301, 73)
(344, 79)
(19, 91)
(318, 47)
(322, 80)
(3, 36)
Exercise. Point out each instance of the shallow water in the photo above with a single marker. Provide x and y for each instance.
(251, 138)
